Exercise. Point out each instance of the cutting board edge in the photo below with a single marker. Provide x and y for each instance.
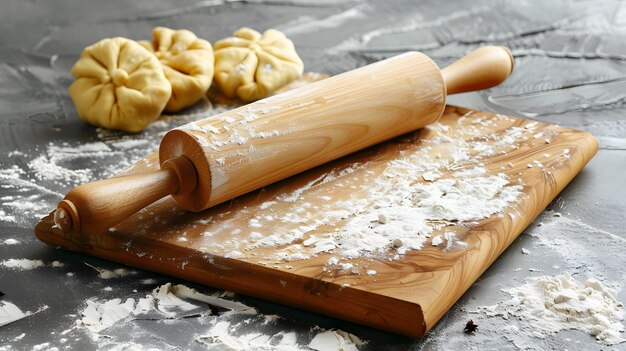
(582, 157)
(410, 322)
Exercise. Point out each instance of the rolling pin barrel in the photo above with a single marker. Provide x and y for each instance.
(219, 158)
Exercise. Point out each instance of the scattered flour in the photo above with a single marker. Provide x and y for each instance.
(26, 199)
(419, 193)
(43, 346)
(131, 346)
(111, 274)
(336, 340)
(413, 212)
(451, 240)
(22, 263)
(11, 242)
(437, 240)
(227, 331)
(47, 169)
(549, 304)
(4, 217)
(224, 335)
(309, 24)
(189, 293)
(99, 316)
(166, 300)
(577, 242)
(227, 334)
(10, 313)
(31, 176)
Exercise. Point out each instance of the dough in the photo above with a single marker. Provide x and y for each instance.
(187, 62)
(119, 85)
(251, 66)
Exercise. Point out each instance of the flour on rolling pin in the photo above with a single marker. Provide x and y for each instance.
(272, 139)
(235, 129)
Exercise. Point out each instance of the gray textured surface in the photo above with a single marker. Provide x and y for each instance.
(571, 70)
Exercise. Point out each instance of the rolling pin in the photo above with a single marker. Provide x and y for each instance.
(207, 162)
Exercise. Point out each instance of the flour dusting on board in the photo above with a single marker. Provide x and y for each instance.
(387, 209)
(404, 215)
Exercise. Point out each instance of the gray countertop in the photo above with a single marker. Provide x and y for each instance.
(571, 70)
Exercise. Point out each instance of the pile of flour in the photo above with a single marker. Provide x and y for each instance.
(549, 304)
(404, 214)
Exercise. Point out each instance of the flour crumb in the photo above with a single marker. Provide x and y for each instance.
(42, 346)
(10, 313)
(437, 240)
(397, 243)
(167, 300)
(112, 274)
(22, 263)
(431, 176)
(336, 340)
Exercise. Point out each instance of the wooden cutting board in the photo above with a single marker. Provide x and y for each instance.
(408, 293)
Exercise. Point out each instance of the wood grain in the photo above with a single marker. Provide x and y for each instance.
(407, 296)
(260, 143)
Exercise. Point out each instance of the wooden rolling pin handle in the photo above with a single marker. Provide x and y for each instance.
(108, 202)
(483, 68)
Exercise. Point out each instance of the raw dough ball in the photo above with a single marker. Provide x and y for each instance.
(251, 66)
(119, 84)
(187, 63)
